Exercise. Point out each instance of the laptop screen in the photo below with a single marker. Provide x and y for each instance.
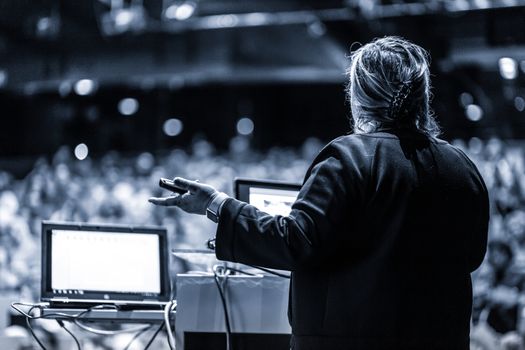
(100, 262)
(272, 197)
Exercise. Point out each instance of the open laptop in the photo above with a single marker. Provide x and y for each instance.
(272, 197)
(89, 264)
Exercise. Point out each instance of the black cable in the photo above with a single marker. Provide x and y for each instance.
(270, 271)
(226, 316)
(171, 339)
(68, 317)
(154, 336)
(240, 271)
(59, 314)
(30, 317)
(135, 337)
(70, 333)
(76, 316)
(33, 332)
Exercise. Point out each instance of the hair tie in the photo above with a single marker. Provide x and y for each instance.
(398, 102)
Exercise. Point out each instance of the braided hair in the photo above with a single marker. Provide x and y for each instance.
(399, 105)
(389, 87)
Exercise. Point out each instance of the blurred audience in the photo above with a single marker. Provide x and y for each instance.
(499, 283)
(115, 189)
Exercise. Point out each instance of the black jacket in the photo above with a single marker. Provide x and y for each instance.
(381, 242)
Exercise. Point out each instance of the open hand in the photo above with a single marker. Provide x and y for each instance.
(195, 201)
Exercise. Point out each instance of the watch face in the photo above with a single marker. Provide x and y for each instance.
(211, 215)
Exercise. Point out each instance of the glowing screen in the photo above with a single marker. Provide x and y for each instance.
(105, 261)
(273, 201)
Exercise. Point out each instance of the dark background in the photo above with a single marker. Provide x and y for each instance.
(285, 72)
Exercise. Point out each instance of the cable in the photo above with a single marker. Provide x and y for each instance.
(270, 271)
(29, 316)
(61, 323)
(169, 307)
(104, 332)
(210, 244)
(26, 314)
(241, 271)
(28, 322)
(216, 276)
(154, 336)
(138, 334)
(226, 316)
(75, 319)
(56, 314)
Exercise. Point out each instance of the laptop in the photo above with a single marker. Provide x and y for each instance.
(90, 264)
(272, 197)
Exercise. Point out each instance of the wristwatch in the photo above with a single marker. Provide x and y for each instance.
(214, 206)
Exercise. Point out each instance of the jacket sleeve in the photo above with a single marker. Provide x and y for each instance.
(479, 232)
(250, 236)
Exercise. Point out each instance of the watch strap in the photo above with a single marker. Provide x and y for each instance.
(215, 205)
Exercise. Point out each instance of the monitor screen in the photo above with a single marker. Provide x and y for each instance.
(273, 201)
(272, 197)
(105, 261)
(100, 262)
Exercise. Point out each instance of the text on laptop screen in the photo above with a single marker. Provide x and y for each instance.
(273, 201)
(105, 261)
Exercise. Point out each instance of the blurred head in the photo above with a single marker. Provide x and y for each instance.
(389, 87)
(499, 254)
(515, 225)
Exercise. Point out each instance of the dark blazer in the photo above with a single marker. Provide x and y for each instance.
(381, 242)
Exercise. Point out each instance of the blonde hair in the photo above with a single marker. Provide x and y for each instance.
(389, 87)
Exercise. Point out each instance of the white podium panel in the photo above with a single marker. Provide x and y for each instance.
(256, 305)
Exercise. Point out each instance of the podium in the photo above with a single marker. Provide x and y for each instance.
(257, 307)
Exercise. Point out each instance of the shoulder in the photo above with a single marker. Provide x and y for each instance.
(457, 153)
(352, 151)
(352, 143)
(470, 164)
(460, 153)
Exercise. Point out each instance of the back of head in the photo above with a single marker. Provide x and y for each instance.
(389, 87)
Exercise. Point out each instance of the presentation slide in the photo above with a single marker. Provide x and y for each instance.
(273, 201)
(105, 261)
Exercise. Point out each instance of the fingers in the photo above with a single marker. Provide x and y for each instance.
(164, 201)
(192, 186)
(185, 202)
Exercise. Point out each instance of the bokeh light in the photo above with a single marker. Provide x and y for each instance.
(245, 126)
(81, 151)
(173, 127)
(84, 87)
(508, 68)
(474, 112)
(128, 106)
